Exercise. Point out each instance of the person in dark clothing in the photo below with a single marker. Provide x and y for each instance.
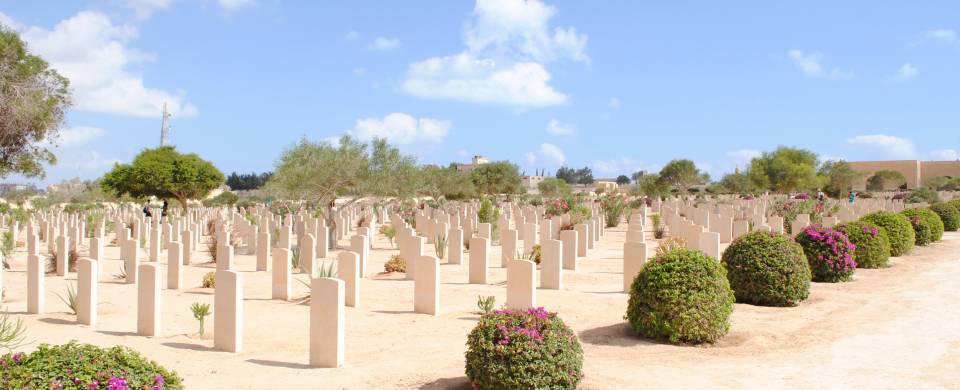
(163, 211)
(146, 210)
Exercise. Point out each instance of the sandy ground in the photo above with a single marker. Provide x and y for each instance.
(890, 328)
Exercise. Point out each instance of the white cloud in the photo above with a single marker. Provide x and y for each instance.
(891, 146)
(623, 165)
(945, 154)
(143, 9)
(507, 43)
(941, 35)
(92, 52)
(384, 44)
(614, 102)
(233, 5)
(401, 128)
(557, 128)
(811, 65)
(552, 153)
(468, 78)
(906, 72)
(76, 136)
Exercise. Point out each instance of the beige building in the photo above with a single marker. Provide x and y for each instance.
(474, 162)
(531, 182)
(606, 184)
(917, 172)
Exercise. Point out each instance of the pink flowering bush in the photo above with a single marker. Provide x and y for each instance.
(873, 246)
(84, 366)
(829, 253)
(523, 349)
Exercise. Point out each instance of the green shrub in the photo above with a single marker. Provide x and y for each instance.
(78, 366)
(209, 280)
(873, 247)
(927, 226)
(949, 215)
(767, 269)
(523, 349)
(681, 296)
(829, 253)
(955, 203)
(899, 231)
(922, 195)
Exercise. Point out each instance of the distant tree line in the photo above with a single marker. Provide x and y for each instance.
(247, 181)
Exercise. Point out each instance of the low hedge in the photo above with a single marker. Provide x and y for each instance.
(927, 226)
(899, 230)
(681, 296)
(767, 269)
(949, 215)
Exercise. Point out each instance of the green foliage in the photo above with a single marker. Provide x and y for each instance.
(886, 179)
(75, 365)
(784, 170)
(553, 188)
(736, 183)
(523, 349)
(7, 246)
(838, 177)
(247, 181)
(681, 175)
(446, 182)
(614, 205)
(200, 311)
(34, 100)
(681, 296)
(921, 195)
(395, 264)
(575, 176)
(318, 171)
(11, 332)
(898, 228)
(652, 186)
(164, 173)
(949, 215)
(485, 304)
(209, 280)
(70, 299)
(499, 177)
(927, 226)
(488, 214)
(789, 209)
(767, 269)
(955, 203)
(829, 253)
(623, 180)
(440, 245)
(225, 198)
(389, 231)
(873, 246)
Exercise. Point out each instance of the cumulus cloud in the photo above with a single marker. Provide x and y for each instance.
(906, 72)
(94, 54)
(548, 154)
(945, 154)
(811, 65)
(623, 165)
(143, 9)
(233, 5)
(890, 146)
(507, 44)
(401, 128)
(76, 136)
(384, 43)
(557, 128)
(942, 35)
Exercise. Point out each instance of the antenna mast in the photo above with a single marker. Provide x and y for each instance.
(165, 127)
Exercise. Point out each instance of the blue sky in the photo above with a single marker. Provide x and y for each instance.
(616, 85)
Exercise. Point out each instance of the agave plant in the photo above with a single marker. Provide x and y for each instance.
(440, 245)
(485, 304)
(11, 332)
(70, 299)
(200, 311)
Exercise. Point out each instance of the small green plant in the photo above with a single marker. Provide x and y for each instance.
(389, 231)
(295, 260)
(534, 254)
(70, 299)
(123, 272)
(321, 269)
(440, 245)
(7, 247)
(209, 280)
(395, 264)
(485, 304)
(11, 332)
(200, 311)
(659, 230)
(670, 244)
(84, 366)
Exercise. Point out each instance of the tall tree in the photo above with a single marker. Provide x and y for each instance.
(552, 187)
(33, 101)
(623, 180)
(499, 177)
(838, 177)
(737, 183)
(682, 174)
(318, 172)
(784, 170)
(390, 173)
(164, 173)
(651, 185)
(886, 179)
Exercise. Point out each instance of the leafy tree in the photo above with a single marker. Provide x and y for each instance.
(737, 183)
(635, 177)
(33, 101)
(575, 176)
(553, 187)
(784, 170)
(19, 197)
(682, 174)
(886, 180)
(225, 198)
(445, 182)
(651, 185)
(247, 181)
(500, 177)
(390, 173)
(943, 183)
(838, 177)
(623, 180)
(318, 172)
(164, 173)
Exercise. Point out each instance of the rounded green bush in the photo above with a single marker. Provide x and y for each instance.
(82, 366)
(873, 247)
(949, 215)
(955, 203)
(523, 349)
(829, 253)
(899, 230)
(767, 269)
(681, 296)
(927, 226)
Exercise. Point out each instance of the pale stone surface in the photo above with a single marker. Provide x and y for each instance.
(327, 322)
(348, 270)
(710, 244)
(281, 274)
(63, 255)
(569, 239)
(634, 256)
(228, 311)
(87, 275)
(521, 282)
(426, 294)
(478, 260)
(35, 288)
(361, 246)
(263, 251)
(508, 246)
(148, 301)
(455, 246)
(582, 239)
(551, 254)
(529, 237)
(308, 247)
(225, 257)
(174, 265)
(96, 248)
(132, 261)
